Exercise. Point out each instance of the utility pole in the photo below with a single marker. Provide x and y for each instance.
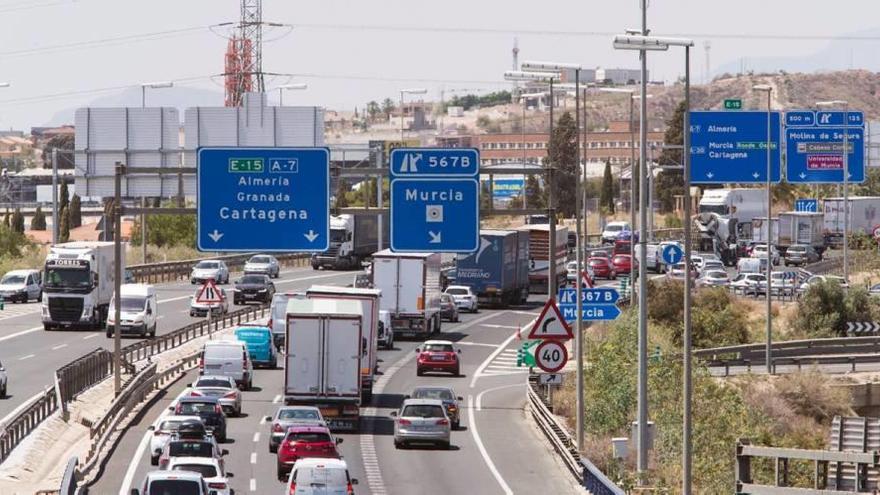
(55, 196)
(551, 208)
(642, 454)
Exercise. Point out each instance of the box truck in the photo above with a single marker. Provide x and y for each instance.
(864, 215)
(323, 359)
(353, 238)
(539, 251)
(78, 285)
(498, 273)
(369, 299)
(410, 285)
(801, 227)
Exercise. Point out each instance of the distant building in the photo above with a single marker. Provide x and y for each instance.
(620, 76)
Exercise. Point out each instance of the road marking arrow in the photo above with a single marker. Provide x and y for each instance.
(215, 236)
(311, 236)
(435, 238)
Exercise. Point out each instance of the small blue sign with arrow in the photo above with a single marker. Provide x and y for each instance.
(807, 205)
(672, 254)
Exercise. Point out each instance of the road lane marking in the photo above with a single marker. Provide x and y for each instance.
(253, 485)
(87, 337)
(60, 346)
(256, 437)
(480, 395)
(277, 399)
(262, 420)
(511, 327)
(253, 457)
(492, 356)
(481, 344)
(23, 332)
(472, 426)
(26, 357)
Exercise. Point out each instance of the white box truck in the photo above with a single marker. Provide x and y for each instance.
(410, 285)
(864, 215)
(801, 227)
(370, 300)
(323, 359)
(78, 285)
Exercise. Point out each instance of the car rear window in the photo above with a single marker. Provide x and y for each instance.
(253, 279)
(320, 477)
(259, 259)
(170, 425)
(206, 470)
(213, 382)
(433, 393)
(457, 292)
(207, 265)
(438, 348)
(309, 436)
(195, 407)
(12, 279)
(422, 411)
(251, 334)
(298, 414)
(223, 352)
(175, 487)
(190, 449)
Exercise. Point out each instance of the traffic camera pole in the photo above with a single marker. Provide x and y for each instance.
(117, 278)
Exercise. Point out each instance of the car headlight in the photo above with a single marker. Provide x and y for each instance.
(263, 290)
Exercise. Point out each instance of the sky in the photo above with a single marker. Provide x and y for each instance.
(352, 51)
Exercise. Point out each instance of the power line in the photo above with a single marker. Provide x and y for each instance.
(83, 92)
(20, 6)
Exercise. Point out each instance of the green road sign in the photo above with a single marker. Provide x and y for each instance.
(733, 104)
(246, 165)
(525, 355)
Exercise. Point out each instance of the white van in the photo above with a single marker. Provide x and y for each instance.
(752, 265)
(228, 358)
(317, 476)
(140, 311)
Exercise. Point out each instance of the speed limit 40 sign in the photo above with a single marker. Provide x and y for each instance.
(551, 356)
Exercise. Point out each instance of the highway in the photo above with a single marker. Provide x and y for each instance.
(496, 450)
(31, 355)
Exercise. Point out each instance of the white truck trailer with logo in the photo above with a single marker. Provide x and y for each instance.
(410, 285)
(864, 215)
(78, 285)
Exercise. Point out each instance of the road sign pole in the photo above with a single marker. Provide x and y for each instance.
(551, 268)
(642, 457)
(687, 426)
(846, 208)
(769, 349)
(579, 323)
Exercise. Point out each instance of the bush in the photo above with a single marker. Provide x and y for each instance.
(825, 309)
(716, 318)
(39, 220)
(671, 221)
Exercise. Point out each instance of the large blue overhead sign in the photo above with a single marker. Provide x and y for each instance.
(730, 147)
(814, 152)
(272, 199)
(435, 200)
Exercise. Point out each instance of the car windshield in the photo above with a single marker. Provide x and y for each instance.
(68, 277)
(319, 477)
(206, 470)
(438, 348)
(337, 235)
(208, 265)
(446, 298)
(190, 449)
(171, 425)
(132, 303)
(422, 411)
(309, 436)
(175, 487)
(716, 274)
(213, 382)
(259, 259)
(299, 414)
(12, 279)
(195, 407)
(433, 393)
(757, 278)
(797, 249)
(253, 279)
(457, 291)
(614, 228)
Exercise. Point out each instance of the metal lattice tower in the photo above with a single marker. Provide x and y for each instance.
(244, 55)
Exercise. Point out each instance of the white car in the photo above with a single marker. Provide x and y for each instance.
(167, 482)
(612, 230)
(215, 270)
(162, 434)
(263, 263)
(317, 476)
(197, 308)
(2, 381)
(815, 279)
(711, 265)
(21, 286)
(210, 469)
(713, 278)
(760, 251)
(464, 298)
(571, 271)
(749, 283)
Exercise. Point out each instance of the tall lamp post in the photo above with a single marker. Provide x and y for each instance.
(768, 351)
(409, 91)
(292, 86)
(144, 87)
(643, 44)
(846, 206)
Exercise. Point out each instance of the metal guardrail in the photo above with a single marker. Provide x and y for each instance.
(27, 421)
(81, 373)
(69, 480)
(176, 270)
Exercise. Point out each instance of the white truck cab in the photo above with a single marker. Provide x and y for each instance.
(78, 285)
(139, 311)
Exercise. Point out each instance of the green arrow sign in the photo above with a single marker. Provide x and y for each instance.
(733, 104)
(525, 355)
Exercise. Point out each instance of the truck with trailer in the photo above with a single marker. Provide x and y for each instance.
(323, 359)
(369, 299)
(724, 220)
(864, 215)
(498, 273)
(539, 255)
(78, 284)
(410, 285)
(353, 238)
(801, 227)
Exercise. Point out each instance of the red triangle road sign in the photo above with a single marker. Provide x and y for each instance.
(209, 293)
(551, 325)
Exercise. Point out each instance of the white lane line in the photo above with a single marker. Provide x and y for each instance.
(502, 387)
(262, 420)
(472, 426)
(492, 356)
(277, 399)
(60, 346)
(480, 344)
(87, 337)
(143, 446)
(253, 457)
(512, 327)
(256, 437)
(26, 357)
(23, 332)
(253, 485)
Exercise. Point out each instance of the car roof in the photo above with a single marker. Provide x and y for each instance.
(137, 290)
(194, 460)
(220, 343)
(181, 417)
(616, 223)
(245, 326)
(174, 475)
(438, 342)
(310, 408)
(211, 400)
(434, 387)
(458, 287)
(214, 377)
(21, 272)
(320, 461)
(422, 402)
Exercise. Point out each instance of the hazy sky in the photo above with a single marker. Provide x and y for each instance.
(468, 46)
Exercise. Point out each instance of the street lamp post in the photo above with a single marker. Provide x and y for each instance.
(768, 351)
(293, 86)
(144, 86)
(409, 91)
(846, 206)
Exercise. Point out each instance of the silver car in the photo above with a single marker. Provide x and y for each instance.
(197, 308)
(263, 263)
(421, 421)
(221, 387)
(21, 286)
(215, 270)
(287, 416)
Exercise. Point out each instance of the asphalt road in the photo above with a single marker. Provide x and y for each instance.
(31, 355)
(496, 450)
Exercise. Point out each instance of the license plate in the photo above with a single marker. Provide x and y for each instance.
(212, 366)
(250, 296)
(437, 358)
(329, 413)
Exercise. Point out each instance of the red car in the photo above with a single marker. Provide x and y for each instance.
(601, 267)
(438, 355)
(623, 263)
(302, 442)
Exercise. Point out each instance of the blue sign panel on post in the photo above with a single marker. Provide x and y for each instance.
(807, 205)
(731, 147)
(435, 200)
(263, 199)
(815, 154)
(601, 295)
(800, 118)
(672, 254)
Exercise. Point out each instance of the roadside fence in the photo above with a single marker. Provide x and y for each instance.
(180, 270)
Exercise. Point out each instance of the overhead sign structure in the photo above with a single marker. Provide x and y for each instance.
(672, 254)
(209, 293)
(814, 152)
(551, 356)
(263, 199)
(435, 200)
(550, 324)
(551, 378)
(807, 205)
(730, 147)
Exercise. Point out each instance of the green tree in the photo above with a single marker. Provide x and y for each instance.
(64, 227)
(373, 110)
(166, 230)
(606, 197)
(63, 196)
(536, 197)
(341, 191)
(75, 211)
(562, 156)
(387, 107)
(18, 221)
(64, 144)
(871, 186)
(39, 220)
(670, 183)
(11, 242)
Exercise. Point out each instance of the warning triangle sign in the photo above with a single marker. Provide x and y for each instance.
(551, 324)
(209, 293)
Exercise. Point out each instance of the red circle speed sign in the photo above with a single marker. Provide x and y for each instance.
(551, 356)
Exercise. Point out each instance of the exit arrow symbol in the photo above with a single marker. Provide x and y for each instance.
(710, 175)
(311, 236)
(435, 238)
(803, 175)
(756, 175)
(215, 236)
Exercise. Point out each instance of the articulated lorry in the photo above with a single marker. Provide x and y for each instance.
(324, 356)
(498, 272)
(353, 238)
(801, 227)
(539, 255)
(724, 220)
(78, 285)
(864, 215)
(410, 285)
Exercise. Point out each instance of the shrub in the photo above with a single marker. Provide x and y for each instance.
(672, 221)
(716, 318)
(825, 309)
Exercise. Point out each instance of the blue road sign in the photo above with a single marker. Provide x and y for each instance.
(800, 118)
(602, 295)
(435, 200)
(591, 312)
(263, 199)
(834, 118)
(815, 154)
(672, 254)
(806, 204)
(731, 147)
